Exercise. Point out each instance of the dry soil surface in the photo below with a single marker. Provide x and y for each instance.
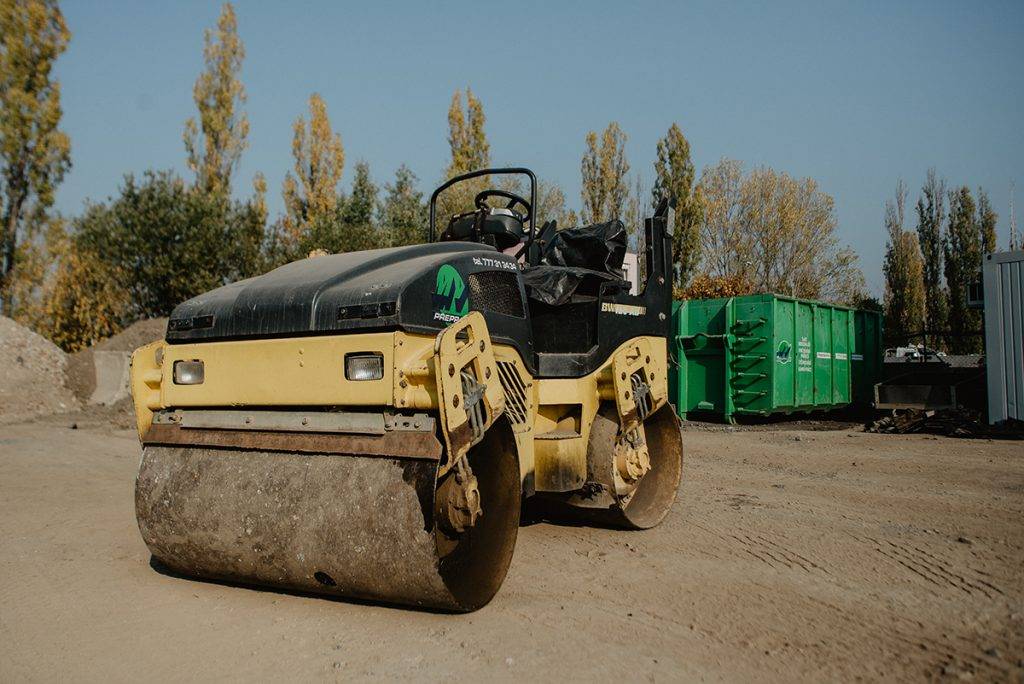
(790, 555)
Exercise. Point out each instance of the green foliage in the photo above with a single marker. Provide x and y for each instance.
(987, 219)
(867, 302)
(358, 227)
(604, 169)
(674, 174)
(963, 253)
(349, 226)
(34, 152)
(158, 243)
(403, 214)
(904, 285)
(931, 214)
(216, 143)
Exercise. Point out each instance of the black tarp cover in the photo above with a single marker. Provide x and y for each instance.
(578, 260)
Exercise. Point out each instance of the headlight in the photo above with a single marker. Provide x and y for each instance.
(188, 372)
(364, 366)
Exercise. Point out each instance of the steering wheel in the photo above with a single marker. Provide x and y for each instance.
(513, 200)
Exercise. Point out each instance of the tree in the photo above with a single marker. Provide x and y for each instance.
(466, 136)
(704, 286)
(550, 200)
(87, 300)
(903, 269)
(777, 232)
(604, 168)
(35, 153)
(470, 151)
(674, 175)
(311, 195)
(110, 264)
(723, 247)
(215, 144)
(357, 216)
(963, 252)
(987, 219)
(402, 216)
(634, 217)
(931, 215)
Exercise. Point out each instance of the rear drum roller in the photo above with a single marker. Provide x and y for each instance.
(652, 498)
(365, 527)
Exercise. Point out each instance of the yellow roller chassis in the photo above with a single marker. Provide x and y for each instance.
(551, 419)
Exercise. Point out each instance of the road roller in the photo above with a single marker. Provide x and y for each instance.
(370, 425)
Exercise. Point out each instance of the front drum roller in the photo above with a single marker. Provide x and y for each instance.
(353, 526)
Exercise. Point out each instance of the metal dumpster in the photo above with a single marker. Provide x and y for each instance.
(866, 369)
(761, 355)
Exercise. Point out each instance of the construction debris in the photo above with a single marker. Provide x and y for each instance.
(960, 422)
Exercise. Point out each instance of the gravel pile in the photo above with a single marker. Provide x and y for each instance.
(135, 335)
(31, 375)
(81, 371)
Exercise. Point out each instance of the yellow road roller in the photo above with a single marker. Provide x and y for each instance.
(369, 425)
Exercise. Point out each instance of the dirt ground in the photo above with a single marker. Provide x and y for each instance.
(792, 554)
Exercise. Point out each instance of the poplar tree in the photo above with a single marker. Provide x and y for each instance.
(931, 215)
(987, 219)
(903, 267)
(674, 174)
(604, 168)
(963, 250)
(34, 153)
(470, 151)
(466, 136)
(215, 144)
(311, 195)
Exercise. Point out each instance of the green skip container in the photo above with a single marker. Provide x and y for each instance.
(764, 355)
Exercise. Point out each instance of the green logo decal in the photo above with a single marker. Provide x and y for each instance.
(451, 300)
(784, 354)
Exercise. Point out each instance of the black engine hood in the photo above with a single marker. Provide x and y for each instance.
(420, 288)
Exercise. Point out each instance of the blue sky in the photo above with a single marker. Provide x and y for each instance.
(855, 95)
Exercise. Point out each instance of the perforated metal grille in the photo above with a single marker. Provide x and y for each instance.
(496, 291)
(515, 393)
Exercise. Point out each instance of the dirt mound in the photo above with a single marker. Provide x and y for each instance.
(135, 335)
(31, 375)
(81, 367)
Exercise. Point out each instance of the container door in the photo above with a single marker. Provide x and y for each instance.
(866, 356)
(784, 352)
(822, 356)
(841, 333)
(858, 375)
(702, 376)
(804, 336)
